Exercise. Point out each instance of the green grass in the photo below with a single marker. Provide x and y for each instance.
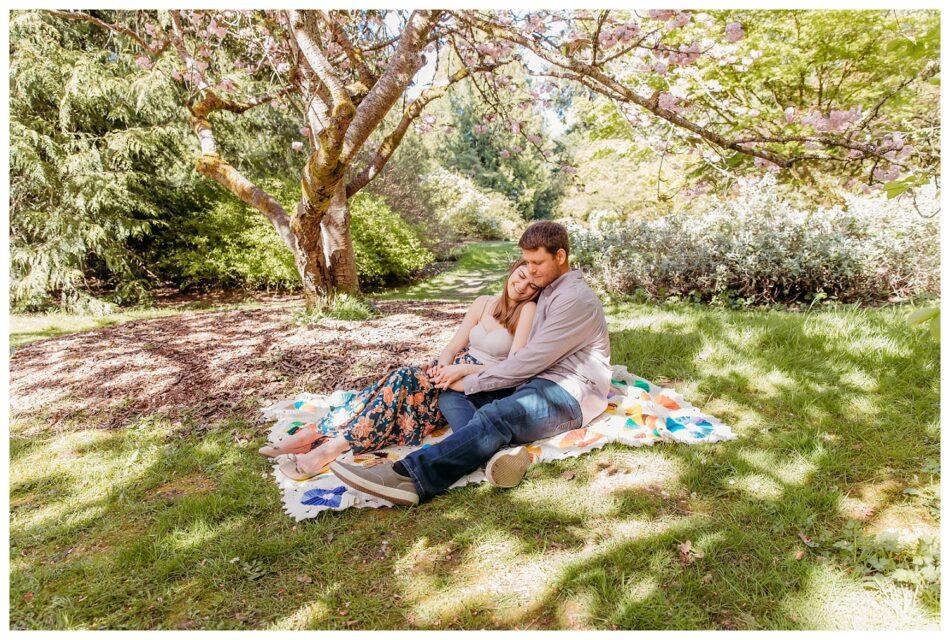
(29, 327)
(152, 526)
(480, 270)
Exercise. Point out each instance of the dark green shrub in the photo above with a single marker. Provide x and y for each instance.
(232, 245)
(387, 249)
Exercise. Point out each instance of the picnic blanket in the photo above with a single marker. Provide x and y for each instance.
(639, 414)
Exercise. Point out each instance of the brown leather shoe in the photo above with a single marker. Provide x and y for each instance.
(379, 480)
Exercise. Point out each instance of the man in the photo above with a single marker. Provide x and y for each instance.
(557, 382)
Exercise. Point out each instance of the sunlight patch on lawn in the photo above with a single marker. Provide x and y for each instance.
(831, 600)
(876, 346)
(860, 379)
(496, 578)
(632, 529)
(908, 522)
(643, 470)
(575, 610)
(310, 616)
(866, 499)
(760, 486)
(199, 533)
(774, 381)
(658, 320)
(789, 470)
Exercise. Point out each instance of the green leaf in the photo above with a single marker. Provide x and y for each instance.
(894, 189)
(935, 328)
(922, 315)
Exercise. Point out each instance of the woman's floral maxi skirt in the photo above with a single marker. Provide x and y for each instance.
(400, 409)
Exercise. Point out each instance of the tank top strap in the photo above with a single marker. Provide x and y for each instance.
(484, 308)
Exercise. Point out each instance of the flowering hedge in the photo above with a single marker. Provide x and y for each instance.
(756, 248)
(469, 210)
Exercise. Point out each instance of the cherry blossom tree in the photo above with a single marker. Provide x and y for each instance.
(349, 75)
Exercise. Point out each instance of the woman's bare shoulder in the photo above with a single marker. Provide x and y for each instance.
(478, 304)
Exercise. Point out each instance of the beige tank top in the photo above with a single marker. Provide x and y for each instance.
(489, 346)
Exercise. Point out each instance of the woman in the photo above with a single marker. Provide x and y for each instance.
(402, 407)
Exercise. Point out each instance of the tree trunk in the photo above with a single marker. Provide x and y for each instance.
(338, 243)
(308, 253)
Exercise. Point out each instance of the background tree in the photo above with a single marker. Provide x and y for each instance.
(344, 72)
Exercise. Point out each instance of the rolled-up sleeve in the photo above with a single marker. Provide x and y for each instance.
(566, 328)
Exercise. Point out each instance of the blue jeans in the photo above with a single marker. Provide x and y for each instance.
(538, 409)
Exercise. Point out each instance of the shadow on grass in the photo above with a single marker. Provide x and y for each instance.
(825, 404)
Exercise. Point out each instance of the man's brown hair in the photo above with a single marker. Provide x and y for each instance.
(550, 235)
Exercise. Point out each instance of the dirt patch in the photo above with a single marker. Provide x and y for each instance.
(207, 366)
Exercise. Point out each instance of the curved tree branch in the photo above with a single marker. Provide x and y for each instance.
(600, 80)
(403, 65)
(116, 28)
(412, 111)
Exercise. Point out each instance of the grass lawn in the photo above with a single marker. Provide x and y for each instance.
(816, 517)
(480, 269)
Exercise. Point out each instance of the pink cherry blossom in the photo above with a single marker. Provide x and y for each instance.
(217, 30)
(789, 114)
(661, 14)
(305, 132)
(534, 138)
(504, 153)
(888, 174)
(566, 168)
(144, 62)
(668, 102)
(734, 32)
(840, 119)
(516, 127)
(817, 121)
(681, 19)
(296, 145)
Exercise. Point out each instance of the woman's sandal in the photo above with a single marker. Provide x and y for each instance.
(270, 451)
(294, 472)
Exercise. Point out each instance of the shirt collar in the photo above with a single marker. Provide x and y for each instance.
(573, 274)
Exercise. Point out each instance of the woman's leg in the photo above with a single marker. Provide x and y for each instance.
(323, 455)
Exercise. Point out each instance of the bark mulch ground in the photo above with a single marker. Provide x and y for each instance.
(204, 367)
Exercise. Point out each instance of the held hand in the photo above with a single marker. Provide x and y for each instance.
(431, 368)
(457, 386)
(449, 374)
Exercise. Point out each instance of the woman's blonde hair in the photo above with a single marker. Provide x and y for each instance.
(507, 311)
